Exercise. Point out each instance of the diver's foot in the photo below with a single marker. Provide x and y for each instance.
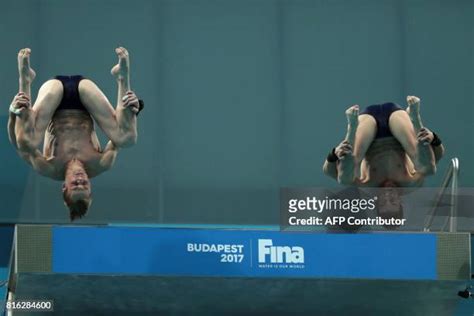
(413, 108)
(27, 75)
(121, 71)
(352, 115)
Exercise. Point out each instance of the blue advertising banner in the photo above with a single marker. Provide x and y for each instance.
(243, 253)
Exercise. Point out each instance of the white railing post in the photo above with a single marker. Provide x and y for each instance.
(451, 176)
(453, 220)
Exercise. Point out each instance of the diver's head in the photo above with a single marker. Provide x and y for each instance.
(389, 202)
(76, 189)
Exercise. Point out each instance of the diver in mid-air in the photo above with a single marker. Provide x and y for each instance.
(386, 147)
(63, 117)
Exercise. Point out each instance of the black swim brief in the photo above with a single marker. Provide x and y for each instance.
(381, 113)
(71, 99)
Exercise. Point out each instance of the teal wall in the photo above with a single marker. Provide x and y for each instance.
(242, 97)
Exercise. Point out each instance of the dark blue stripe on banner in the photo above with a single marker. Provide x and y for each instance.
(146, 251)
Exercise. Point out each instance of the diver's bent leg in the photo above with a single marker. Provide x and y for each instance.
(121, 132)
(26, 73)
(26, 77)
(361, 130)
(99, 107)
(365, 135)
(49, 97)
(127, 110)
(119, 124)
(121, 72)
(403, 130)
(413, 111)
(127, 103)
(31, 123)
(352, 116)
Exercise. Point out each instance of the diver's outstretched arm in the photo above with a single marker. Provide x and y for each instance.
(119, 124)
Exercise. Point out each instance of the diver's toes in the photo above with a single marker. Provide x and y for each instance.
(121, 52)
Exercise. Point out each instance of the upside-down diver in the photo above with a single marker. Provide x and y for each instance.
(63, 118)
(385, 147)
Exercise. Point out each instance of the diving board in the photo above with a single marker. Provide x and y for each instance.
(236, 252)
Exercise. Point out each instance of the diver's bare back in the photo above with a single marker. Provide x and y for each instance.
(71, 135)
(386, 160)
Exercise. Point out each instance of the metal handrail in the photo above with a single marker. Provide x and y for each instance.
(452, 176)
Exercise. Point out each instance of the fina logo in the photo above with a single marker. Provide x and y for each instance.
(279, 254)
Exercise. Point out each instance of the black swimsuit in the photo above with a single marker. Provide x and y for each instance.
(381, 114)
(71, 99)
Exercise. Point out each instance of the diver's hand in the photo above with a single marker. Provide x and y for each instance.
(425, 136)
(131, 102)
(20, 103)
(343, 150)
(346, 164)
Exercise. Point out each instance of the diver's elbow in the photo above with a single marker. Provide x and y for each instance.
(23, 142)
(429, 169)
(126, 141)
(325, 169)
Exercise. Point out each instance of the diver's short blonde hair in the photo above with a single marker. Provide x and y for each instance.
(77, 209)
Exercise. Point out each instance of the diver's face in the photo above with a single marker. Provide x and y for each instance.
(78, 186)
(389, 199)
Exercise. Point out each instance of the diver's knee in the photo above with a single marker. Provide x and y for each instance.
(51, 89)
(86, 86)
